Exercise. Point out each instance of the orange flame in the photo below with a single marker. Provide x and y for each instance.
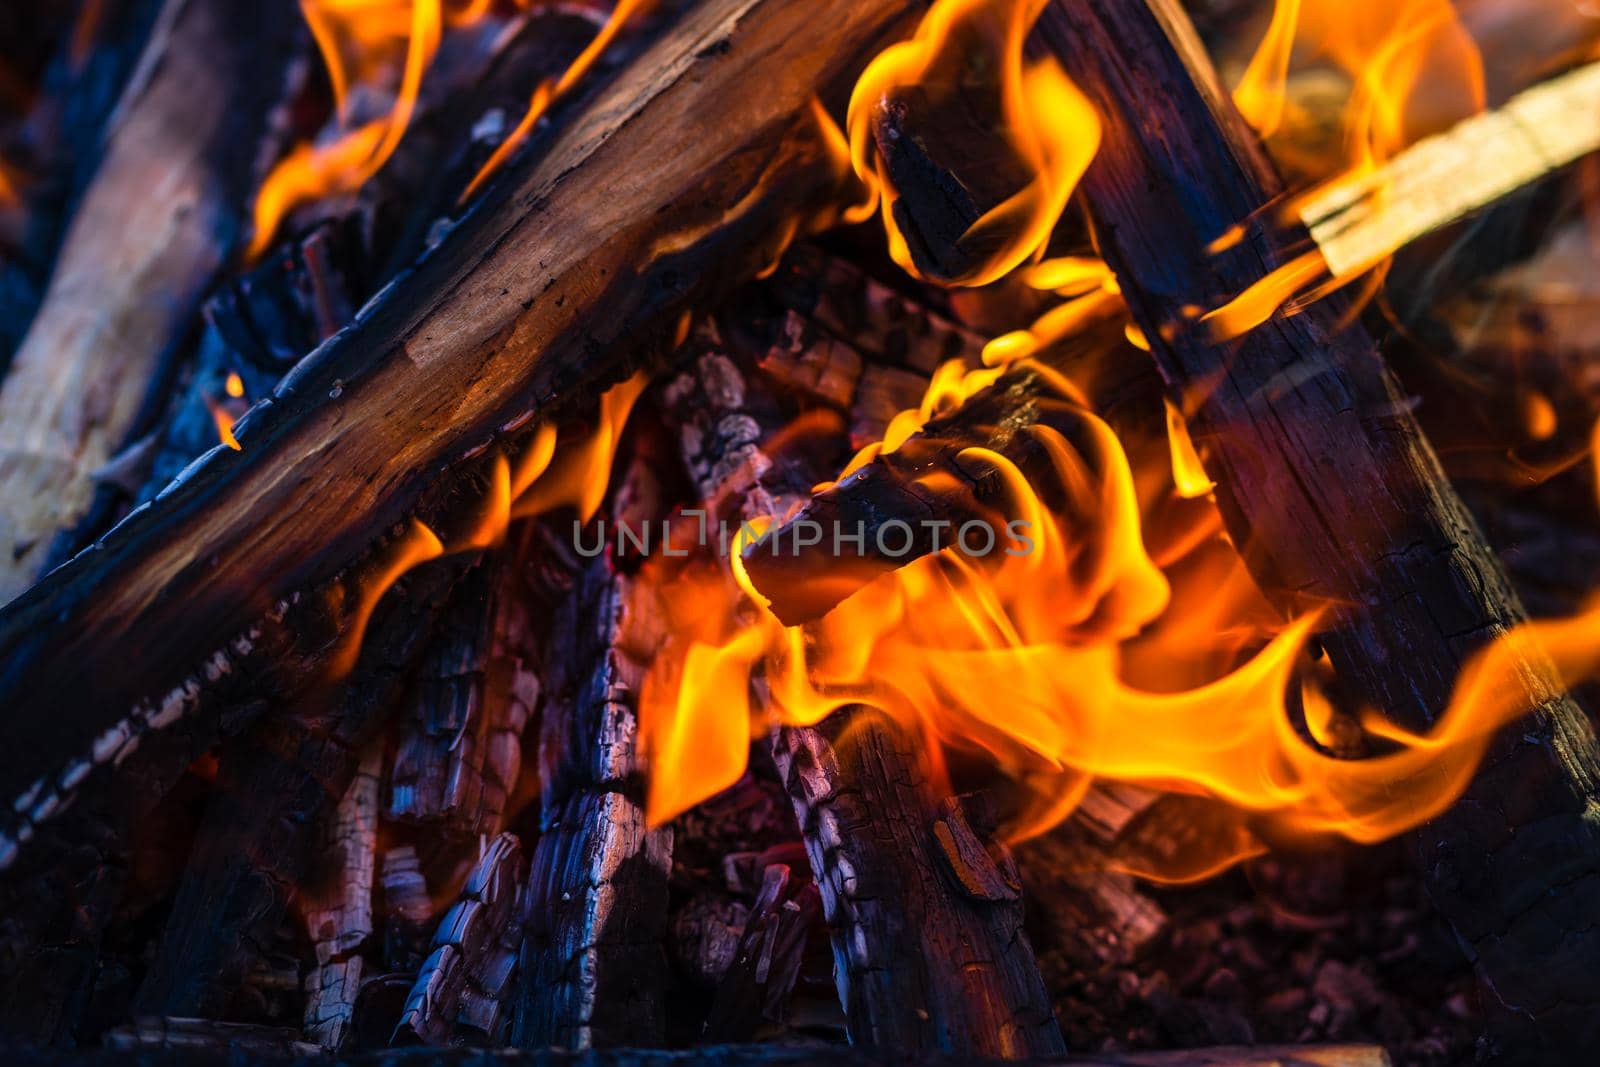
(549, 92)
(359, 41)
(1413, 69)
(1188, 473)
(542, 482)
(1049, 125)
(224, 412)
(10, 195)
(1080, 659)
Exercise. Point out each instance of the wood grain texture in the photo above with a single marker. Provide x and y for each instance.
(156, 222)
(1334, 496)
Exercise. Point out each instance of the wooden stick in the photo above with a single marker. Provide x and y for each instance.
(545, 291)
(152, 229)
(59, 143)
(1358, 221)
(1334, 498)
(594, 964)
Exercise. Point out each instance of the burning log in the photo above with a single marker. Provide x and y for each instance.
(460, 745)
(340, 927)
(594, 949)
(925, 485)
(463, 353)
(1329, 488)
(901, 909)
(1358, 222)
(466, 979)
(929, 950)
(180, 159)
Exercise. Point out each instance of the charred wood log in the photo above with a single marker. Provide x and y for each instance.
(466, 980)
(280, 779)
(1335, 498)
(926, 909)
(920, 963)
(338, 912)
(152, 229)
(461, 354)
(594, 950)
(460, 745)
(766, 963)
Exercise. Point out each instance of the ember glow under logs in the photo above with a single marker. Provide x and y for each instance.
(784, 531)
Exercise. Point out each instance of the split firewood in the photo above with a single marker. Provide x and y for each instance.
(279, 781)
(765, 965)
(547, 289)
(149, 234)
(338, 915)
(459, 749)
(898, 917)
(594, 967)
(1359, 221)
(466, 980)
(407, 907)
(1336, 499)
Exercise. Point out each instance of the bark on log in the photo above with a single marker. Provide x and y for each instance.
(338, 915)
(153, 227)
(466, 980)
(460, 743)
(545, 290)
(594, 968)
(920, 964)
(1335, 498)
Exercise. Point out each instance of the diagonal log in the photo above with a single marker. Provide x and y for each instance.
(151, 230)
(1334, 496)
(547, 289)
